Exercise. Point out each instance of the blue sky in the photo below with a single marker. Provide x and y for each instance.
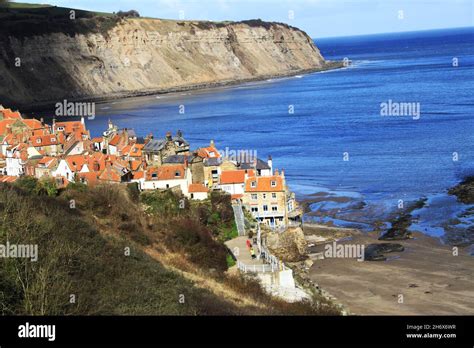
(319, 18)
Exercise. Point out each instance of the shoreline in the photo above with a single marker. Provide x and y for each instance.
(48, 105)
(431, 278)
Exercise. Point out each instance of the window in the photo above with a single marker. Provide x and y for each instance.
(60, 128)
(254, 209)
(254, 196)
(38, 140)
(177, 174)
(265, 208)
(253, 184)
(53, 140)
(154, 175)
(274, 208)
(273, 183)
(274, 195)
(264, 196)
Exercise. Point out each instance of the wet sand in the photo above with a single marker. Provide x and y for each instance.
(431, 280)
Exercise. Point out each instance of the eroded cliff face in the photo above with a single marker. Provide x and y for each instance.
(139, 56)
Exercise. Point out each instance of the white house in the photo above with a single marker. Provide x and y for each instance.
(16, 159)
(166, 177)
(233, 181)
(197, 192)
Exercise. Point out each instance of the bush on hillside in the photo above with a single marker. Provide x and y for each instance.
(128, 14)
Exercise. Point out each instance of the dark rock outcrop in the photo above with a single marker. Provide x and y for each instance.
(464, 191)
(375, 252)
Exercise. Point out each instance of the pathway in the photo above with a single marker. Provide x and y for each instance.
(239, 219)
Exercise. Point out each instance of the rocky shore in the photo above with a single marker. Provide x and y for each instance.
(413, 276)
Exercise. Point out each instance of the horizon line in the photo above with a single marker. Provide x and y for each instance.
(391, 32)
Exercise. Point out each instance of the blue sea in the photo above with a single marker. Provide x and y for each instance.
(336, 147)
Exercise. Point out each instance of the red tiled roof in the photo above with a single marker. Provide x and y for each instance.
(136, 150)
(264, 184)
(4, 125)
(6, 178)
(232, 177)
(33, 123)
(44, 140)
(72, 127)
(134, 165)
(208, 152)
(90, 178)
(115, 140)
(197, 188)
(9, 114)
(138, 175)
(76, 162)
(110, 174)
(166, 172)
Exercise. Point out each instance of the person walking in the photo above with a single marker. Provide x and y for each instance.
(252, 253)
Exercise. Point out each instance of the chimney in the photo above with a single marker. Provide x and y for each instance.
(179, 133)
(283, 173)
(9, 129)
(82, 121)
(111, 126)
(276, 172)
(42, 121)
(53, 126)
(186, 163)
(96, 166)
(270, 164)
(168, 136)
(212, 143)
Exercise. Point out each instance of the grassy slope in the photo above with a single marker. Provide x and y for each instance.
(173, 252)
(24, 20)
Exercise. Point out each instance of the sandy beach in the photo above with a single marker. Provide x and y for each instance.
(431, 279)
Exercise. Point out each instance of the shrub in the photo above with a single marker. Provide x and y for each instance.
(27, 183)
(162, 202)
(133, 191)
(131, 14)
(47, 186)
(188, 236)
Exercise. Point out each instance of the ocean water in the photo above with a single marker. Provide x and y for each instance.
(337, 113)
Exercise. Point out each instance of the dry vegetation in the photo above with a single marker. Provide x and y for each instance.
(174, 251)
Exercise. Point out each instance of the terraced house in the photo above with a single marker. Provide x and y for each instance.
(270, 201)
(65, 153)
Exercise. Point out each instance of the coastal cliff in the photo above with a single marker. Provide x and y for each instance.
(110, 57)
